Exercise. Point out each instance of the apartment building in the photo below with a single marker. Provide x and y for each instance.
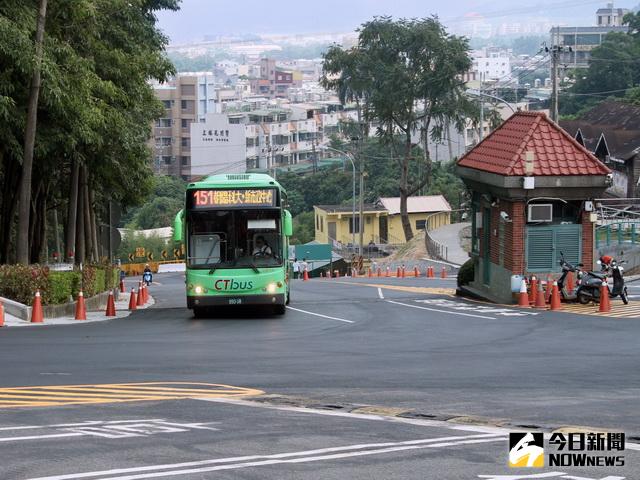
(265, 138)
(582, 40)
(274, 81)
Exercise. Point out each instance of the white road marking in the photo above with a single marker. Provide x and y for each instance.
(442, 311)
(380, 293)
(108, 429)
(40, 437)
(321, 315)
(461, 306)
(329, 453)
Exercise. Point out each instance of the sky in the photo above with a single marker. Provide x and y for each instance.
(215, 17)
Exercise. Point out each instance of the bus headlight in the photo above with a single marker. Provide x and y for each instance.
(271, 288)
(199, 289)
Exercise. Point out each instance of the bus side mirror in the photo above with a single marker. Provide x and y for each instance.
(287, 224)
(177, 227)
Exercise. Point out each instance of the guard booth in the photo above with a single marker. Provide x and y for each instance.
(532, 189)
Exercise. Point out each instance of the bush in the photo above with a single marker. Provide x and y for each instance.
(20, 282)
(466, 273)
(63, 285)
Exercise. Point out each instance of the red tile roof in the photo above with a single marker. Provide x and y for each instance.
(556, 152)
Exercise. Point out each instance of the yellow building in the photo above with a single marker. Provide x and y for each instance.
(382, 222)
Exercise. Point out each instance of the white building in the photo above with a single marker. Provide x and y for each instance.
(495, 66)
(217, 146)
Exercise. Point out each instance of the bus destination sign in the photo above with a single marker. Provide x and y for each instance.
(261, 197)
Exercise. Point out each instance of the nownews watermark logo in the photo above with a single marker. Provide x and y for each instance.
(526, 449)
(575, 449)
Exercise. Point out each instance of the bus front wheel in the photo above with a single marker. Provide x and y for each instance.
(199, 312)
(279, 309)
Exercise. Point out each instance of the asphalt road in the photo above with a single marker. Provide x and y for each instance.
(450, 369)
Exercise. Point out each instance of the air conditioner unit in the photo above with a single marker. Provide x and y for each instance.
(540, 212)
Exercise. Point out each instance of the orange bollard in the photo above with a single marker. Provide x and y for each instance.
(569, 283)
(443, 272)
(305, 276)
(37, 315)
(540, 303)
(398, 272)
(133, 301)
(111, 306)
(555, 297)
(416, 272)
(81, 309)
(523, 297)
(534, 290)
(403, 271)
(605, 301)
(1, 315)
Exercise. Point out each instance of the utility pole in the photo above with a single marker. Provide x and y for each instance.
(481, 134)
(554, 76)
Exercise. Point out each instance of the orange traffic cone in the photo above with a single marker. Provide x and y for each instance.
(369, 272)
(430, 273)
(555, 297)
(523, 298)
(398, 272)
(534, 290)
(121, 286)
(379, 272)
(140, 297)
(416, 272)
(605, 302)
(569, 283)
(111, 306)
(81, 309)
(549, 289)
(403, 271)
(305, 276)
(443, 272)
(388, 274)
(540, 303)
(36, 310)
(1, 315)
(133, 301)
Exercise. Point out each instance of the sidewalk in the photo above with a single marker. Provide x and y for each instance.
(449, 235)
(122, 311)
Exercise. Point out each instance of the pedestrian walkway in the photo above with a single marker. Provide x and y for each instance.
(449, 235)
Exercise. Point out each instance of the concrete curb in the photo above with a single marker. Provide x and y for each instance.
(23, 312)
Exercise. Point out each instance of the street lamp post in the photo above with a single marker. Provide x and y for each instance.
(353, 194)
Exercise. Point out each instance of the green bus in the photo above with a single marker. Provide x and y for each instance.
(236, 231)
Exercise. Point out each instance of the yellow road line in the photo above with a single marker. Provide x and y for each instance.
(56, 395)
(429, 290)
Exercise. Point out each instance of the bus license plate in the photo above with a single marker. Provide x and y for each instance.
(235, 301)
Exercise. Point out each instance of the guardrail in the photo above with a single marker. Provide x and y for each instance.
(618, 233)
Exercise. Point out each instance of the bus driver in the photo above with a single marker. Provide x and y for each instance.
(262, 248)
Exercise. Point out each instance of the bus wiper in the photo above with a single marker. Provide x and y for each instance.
(212, 271)
(255, 269)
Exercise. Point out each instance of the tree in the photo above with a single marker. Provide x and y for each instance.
(614, 68)
(22, 253)
(406, 75)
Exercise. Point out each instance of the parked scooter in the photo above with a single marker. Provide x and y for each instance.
(591, 282)
(567, 294)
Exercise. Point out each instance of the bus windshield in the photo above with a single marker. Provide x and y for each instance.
(234, 238)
